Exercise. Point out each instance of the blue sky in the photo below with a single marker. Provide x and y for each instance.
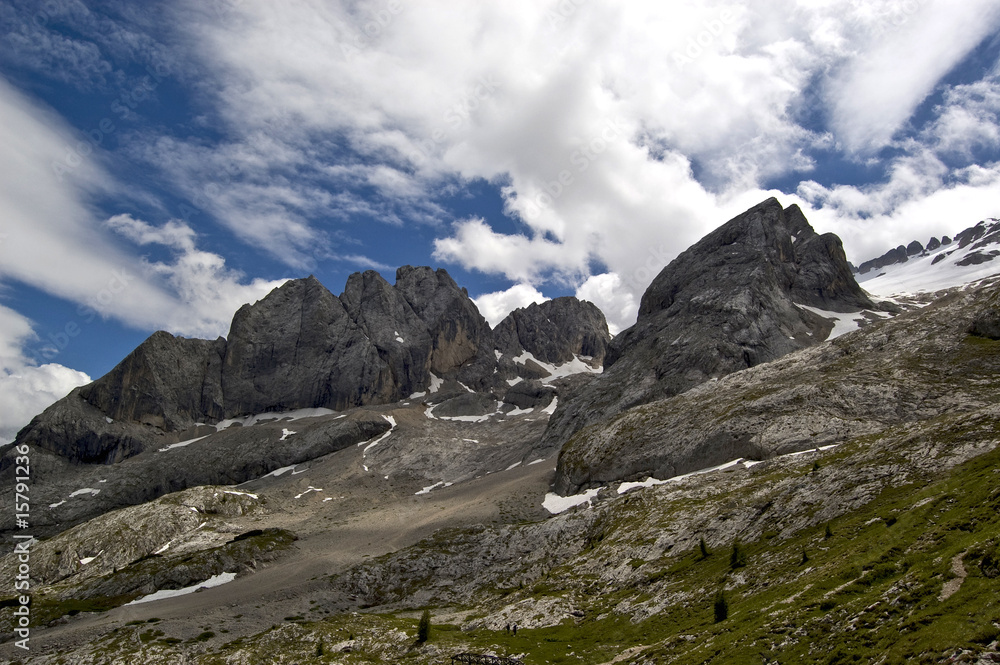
(164, 162)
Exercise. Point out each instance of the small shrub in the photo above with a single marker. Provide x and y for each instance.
(319, 648)
(703, 548)
(990, 565)
(207, 635)
(829, 531)
(805, 557)
(738, 558)
(424, 627)
(721, 607)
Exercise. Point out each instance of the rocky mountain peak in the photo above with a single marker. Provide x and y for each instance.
(739, 297)
(765, 239)
(303, 347)
(555, 331)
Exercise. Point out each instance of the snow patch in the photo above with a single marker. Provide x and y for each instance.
(842, 323)
(218, 580)
(56, 505)
(252, 496)
(308, 490)
(430, 488)
(87, 559)
(652, 482)
(181, 444)
(85, 490)
(551, 408)
(436, 383)
(513, 466)
(296, 414)
(576, 366)
(285, 433)
(556, 504)
(279, 472)
(380, 439)
(467, 419)
(537, 461)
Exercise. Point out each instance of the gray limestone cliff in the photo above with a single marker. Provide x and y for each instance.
(303, 347)
(731, 301)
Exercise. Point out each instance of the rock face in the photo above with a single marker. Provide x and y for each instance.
(555, 331)
(912, 368)
(299, 347)
(729, 302)
(461, 342)
(987, 321)
(303, 347)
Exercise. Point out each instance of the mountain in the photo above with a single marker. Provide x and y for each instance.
(906, 271)
(771, 467)
(878, 542)
(300, 352)
(760, 286)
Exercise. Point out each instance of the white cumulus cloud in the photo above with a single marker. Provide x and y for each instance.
(27, 388)
(496, 306)
(621, 132)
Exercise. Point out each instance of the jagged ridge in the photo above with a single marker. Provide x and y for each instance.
(303, 347)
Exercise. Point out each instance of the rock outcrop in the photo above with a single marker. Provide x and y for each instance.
(555, 331)
(729, 302)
